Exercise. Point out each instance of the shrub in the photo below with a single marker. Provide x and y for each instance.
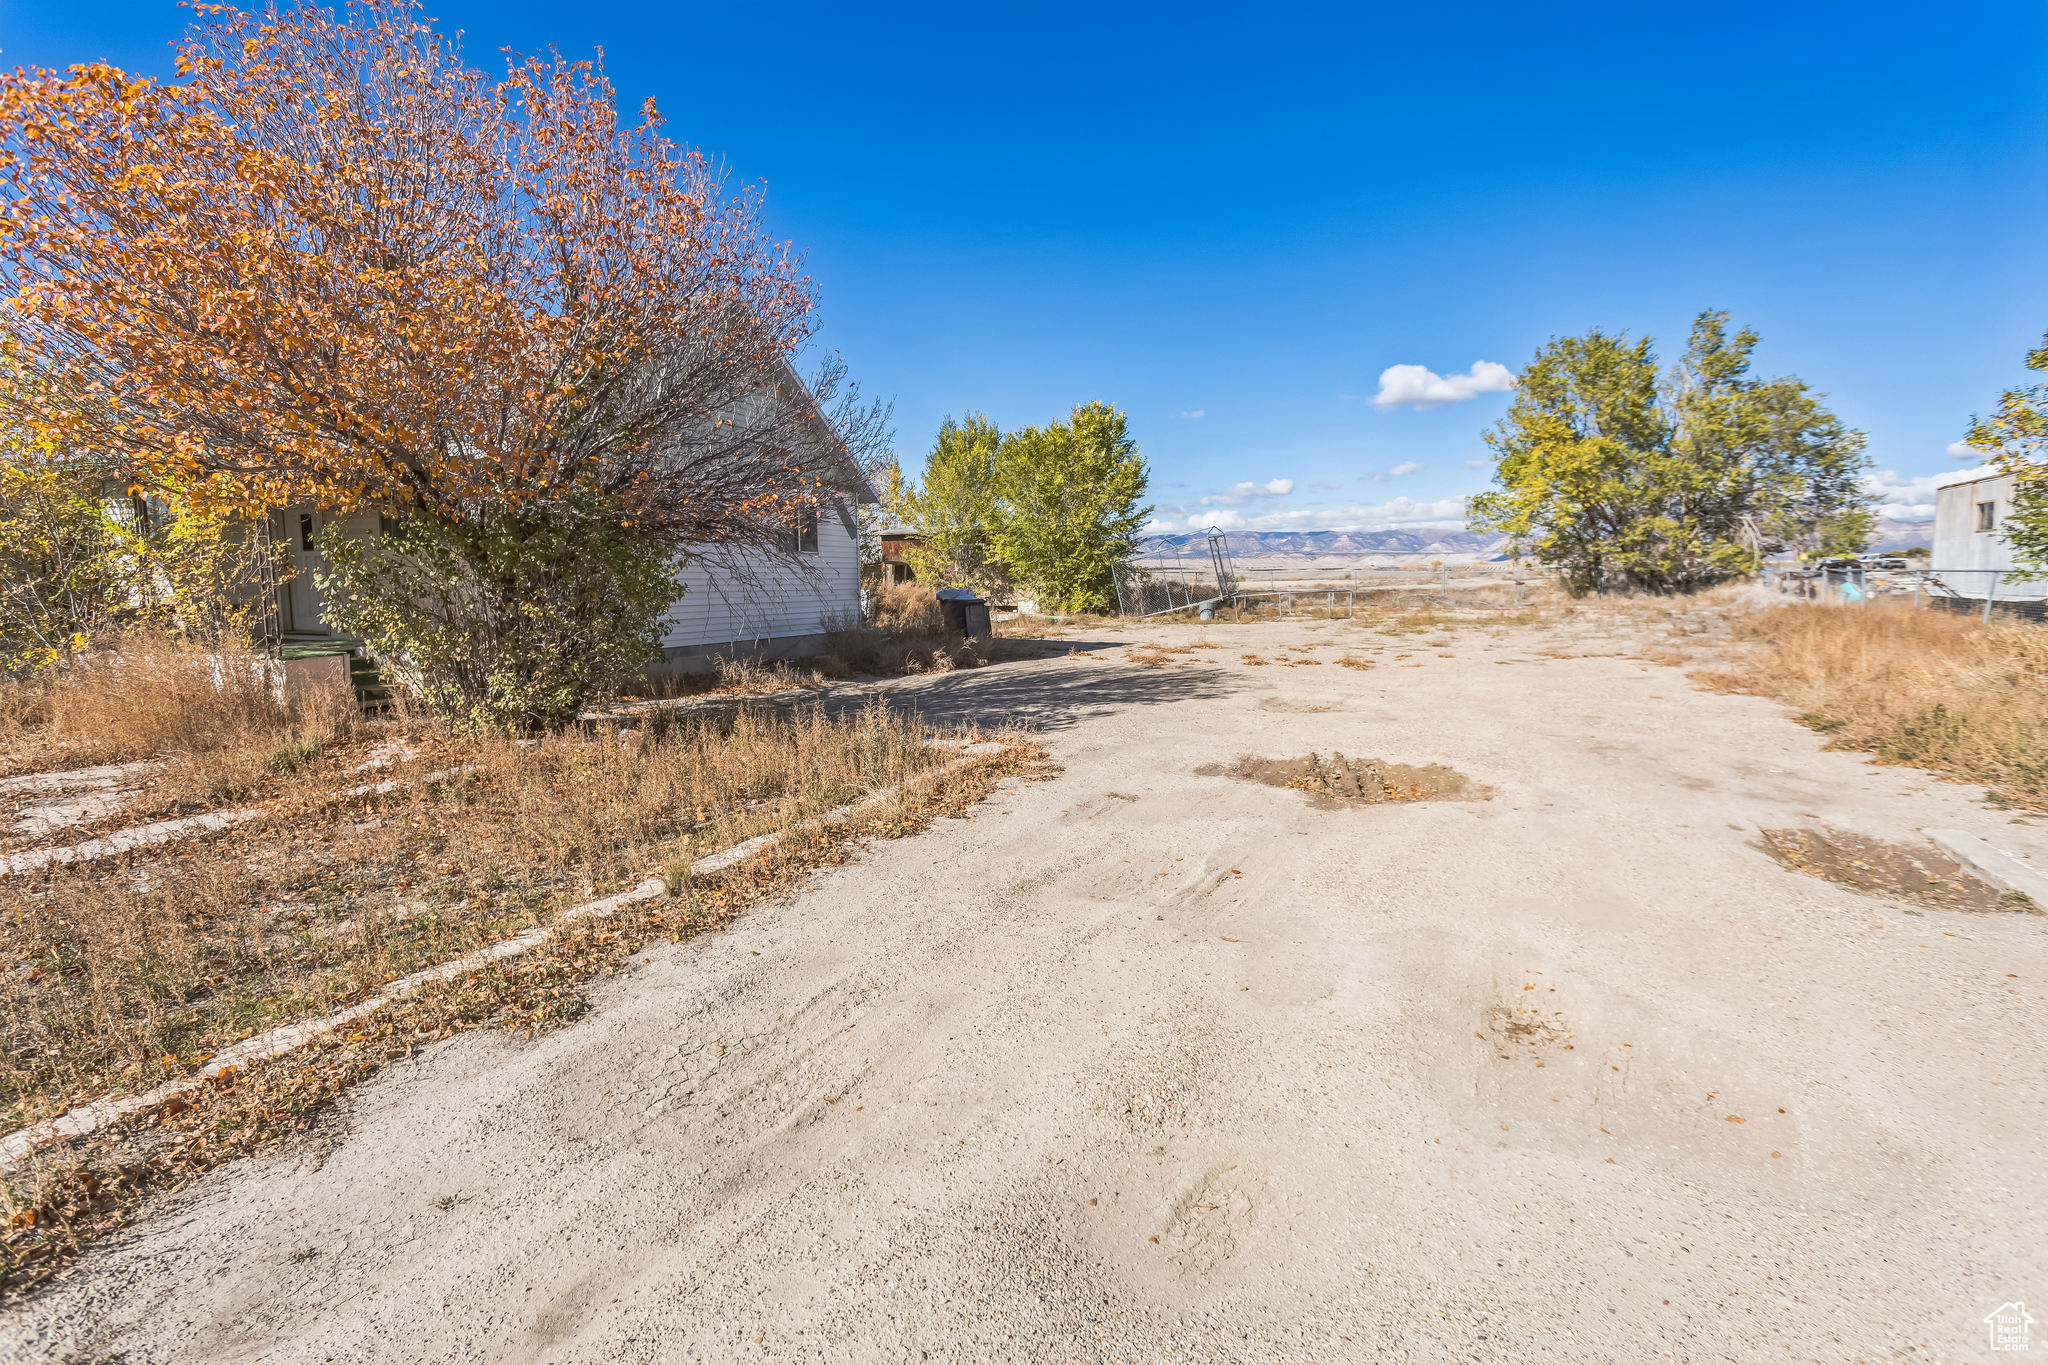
(509, 623)
(908, 607)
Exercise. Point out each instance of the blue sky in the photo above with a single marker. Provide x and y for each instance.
(1230, 222)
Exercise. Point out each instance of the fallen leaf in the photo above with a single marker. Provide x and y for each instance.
(1737, 1118)
(1228, 939)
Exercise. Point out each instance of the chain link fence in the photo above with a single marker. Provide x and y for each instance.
(1993, 594)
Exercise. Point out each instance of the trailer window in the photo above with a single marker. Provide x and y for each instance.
(1987, 516)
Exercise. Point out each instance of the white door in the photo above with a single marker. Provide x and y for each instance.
(303, 607)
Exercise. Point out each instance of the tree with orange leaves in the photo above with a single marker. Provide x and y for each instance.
(332, 263)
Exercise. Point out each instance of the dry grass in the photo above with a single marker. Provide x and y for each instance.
(69, 1195)
(125, 972)
(909, 636)
(1157, 655)
(154, 695)
(1929, 688)
(909, 609)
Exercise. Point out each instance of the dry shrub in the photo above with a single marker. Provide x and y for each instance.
(756, 675)
(875, 653)
(1929, 688)
(150, 695)
(128, 971)
(909, 608)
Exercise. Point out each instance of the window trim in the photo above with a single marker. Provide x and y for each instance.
(804, 520)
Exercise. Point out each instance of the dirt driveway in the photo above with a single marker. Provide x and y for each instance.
(1139, 1064)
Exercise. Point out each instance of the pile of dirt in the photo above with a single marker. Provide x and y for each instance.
(1340, 781)
(1922, 875)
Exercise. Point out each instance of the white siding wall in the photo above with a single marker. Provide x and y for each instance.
(771, 599)
(1958, 544)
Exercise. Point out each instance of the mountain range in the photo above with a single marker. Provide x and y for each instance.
(1441, 542)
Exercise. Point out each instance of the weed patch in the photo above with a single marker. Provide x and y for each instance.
(1926, 688)
(1339, 781)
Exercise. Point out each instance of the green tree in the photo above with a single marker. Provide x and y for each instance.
(2015, 438)
(952, 509)
(1067, 506)
(1621, 480)
(67, 567)
(508, 622)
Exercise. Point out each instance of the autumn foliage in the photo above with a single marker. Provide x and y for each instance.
(334, 263)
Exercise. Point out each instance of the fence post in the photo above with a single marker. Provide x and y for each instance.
(1917, 581)
(1991, 595)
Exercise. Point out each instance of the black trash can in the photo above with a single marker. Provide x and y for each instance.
(965, 614)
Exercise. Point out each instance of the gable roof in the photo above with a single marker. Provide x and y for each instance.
(849, 476)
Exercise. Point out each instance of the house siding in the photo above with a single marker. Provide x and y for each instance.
(761, 603)
(1958, 544)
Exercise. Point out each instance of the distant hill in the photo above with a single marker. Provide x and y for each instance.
(1447, 543)
(1440, 541)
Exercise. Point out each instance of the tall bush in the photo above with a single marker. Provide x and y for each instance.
(510, 621)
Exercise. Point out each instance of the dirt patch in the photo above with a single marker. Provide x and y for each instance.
(1527, 1026)
(1918, 875)
(1340, 781)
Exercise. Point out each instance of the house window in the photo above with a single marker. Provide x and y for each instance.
(804, 531)
(1987, 516)
(305, 530)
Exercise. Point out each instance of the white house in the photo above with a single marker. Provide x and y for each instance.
(1970, 508)
(729, 603)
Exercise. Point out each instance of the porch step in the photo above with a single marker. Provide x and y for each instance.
(368, 681)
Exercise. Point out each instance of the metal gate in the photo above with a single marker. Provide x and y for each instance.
(1173, 573)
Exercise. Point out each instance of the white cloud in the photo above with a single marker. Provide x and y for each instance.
(1237, 495)
(1416, 386)
(1902, 498)
(1475, 464)
(1358, 517)
(1196, 412)
(1405, 467)
(1958, 451)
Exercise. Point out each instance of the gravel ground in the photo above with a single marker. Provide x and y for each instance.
(1140, 1065)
